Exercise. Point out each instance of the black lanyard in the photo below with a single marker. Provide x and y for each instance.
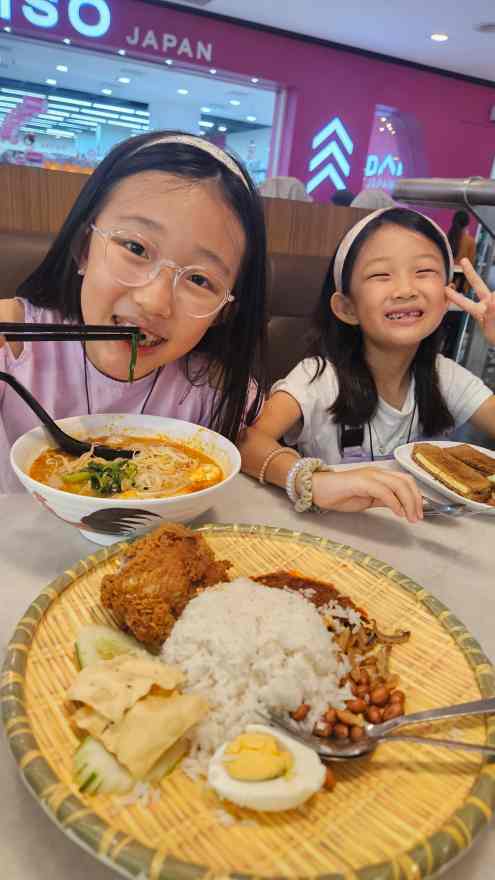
(352, 437)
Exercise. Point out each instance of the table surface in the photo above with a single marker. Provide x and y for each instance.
(452, 558)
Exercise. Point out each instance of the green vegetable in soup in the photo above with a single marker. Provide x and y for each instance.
(133, 359)
(106, 478)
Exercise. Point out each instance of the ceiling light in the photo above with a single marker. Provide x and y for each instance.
(213, 70)
(67, 41)
(234, 102)
(381, 128)
(62, 100)
(121, 52)
(62, 68)
(139, 112)
(439, 38)
(250, 118)
(125, 80)
(124, 125)
(254, 79)
(222, 128)
(206, 123)
(168, 61)
(56, 133)
(7, 29)
(22, 92)
(51, 82)
(106, 91)
(383, 118)
(182, 91)
(205, 109)
(112, 107)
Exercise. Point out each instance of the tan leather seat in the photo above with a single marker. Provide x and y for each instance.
(20, 253)
(294, 287)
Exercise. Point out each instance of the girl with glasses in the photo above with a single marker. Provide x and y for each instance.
(168, 235)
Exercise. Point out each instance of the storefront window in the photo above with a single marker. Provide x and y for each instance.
(395, 149)
(65, 108)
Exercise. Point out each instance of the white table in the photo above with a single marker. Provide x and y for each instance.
(453, 558)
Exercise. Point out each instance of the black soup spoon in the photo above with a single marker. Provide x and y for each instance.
(64, 441)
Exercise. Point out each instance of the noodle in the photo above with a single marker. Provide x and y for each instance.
(159, 468)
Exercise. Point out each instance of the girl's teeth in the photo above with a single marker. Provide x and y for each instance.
(397, 316)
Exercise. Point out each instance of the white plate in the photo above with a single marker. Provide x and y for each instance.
(403, 455)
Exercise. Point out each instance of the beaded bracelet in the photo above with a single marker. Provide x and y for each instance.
(306, 467)
(271, 455)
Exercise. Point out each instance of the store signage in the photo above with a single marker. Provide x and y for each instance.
(182, 47)
(90, 18)
(337, 144)
(377, 166)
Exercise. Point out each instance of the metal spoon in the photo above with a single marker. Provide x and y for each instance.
(64, 441)
(335, 750)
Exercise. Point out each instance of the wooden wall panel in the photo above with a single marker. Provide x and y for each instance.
(37, 200)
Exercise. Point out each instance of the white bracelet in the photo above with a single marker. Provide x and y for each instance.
(307, 467)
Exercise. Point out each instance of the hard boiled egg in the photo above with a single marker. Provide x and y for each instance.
(265, 770)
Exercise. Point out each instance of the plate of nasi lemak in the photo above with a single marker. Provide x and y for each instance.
(460, 471)
(137, 687)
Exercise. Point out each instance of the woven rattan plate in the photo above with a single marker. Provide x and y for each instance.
(402, 814)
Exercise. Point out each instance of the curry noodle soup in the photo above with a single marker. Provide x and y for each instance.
(161, 468)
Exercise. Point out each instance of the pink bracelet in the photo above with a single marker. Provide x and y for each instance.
(271, 455)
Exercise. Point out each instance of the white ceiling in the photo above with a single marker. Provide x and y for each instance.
(400, 28)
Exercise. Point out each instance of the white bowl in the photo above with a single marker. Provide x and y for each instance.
(72, 508)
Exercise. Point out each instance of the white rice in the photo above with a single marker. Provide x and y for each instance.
(248, 649)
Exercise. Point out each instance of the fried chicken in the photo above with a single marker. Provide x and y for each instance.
(159, 575)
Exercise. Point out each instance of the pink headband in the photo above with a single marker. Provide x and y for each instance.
(350, 236)
(201, 144)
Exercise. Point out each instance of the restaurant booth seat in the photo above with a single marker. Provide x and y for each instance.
(294, 285)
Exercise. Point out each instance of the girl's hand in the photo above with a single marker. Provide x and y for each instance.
(484, 310)
(360, 488)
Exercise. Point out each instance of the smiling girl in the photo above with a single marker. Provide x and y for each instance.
(167, 234)
(376, 379)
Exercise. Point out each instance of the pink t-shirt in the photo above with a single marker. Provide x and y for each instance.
(54, 373)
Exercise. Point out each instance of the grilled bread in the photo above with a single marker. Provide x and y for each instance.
(457, 476)
(482, 463)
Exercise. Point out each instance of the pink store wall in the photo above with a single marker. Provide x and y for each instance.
(322, 82)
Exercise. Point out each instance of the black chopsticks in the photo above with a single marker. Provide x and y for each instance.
(18, 332)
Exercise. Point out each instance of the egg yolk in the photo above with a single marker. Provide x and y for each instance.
(256, 757)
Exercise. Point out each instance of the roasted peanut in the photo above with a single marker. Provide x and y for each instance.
(301, 712)
(346, 717)
(392, 711)
(330, 781)
(321, 728)
(356, 733)
(330, 716)
(364, 677)
(357, 706)
(361, 691)
(392, 681)
(341, 731)
(379, 695)
(356, 674)
(397, 697)
(373, 714)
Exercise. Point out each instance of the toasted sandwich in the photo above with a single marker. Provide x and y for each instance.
(457, 476)
(482, 463)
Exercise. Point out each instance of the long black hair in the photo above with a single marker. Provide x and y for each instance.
(234, 346)
(342, 344)
(459, 222)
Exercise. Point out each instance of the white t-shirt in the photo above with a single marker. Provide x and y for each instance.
(319, 436)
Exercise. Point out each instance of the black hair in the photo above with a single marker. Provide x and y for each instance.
(459, 222)
(343, 198)
(235, 344)
(342, 344)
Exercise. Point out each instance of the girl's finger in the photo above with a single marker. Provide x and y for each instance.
(476, 309)
(482, 290)
(405, 489)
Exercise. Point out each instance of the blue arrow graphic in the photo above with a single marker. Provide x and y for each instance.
(333, 151)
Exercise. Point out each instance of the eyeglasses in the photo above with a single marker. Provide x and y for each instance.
(135, 262)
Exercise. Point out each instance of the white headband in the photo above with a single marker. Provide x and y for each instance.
(201, 144)
(350, 236)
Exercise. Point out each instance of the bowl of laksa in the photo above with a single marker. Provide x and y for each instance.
(176, 473)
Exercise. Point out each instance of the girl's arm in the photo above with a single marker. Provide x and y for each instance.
(11, 310)
(351, 490)
(484, 417)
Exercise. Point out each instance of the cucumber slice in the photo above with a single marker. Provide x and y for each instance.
(96, 642)
(97, 771)
(168, 762)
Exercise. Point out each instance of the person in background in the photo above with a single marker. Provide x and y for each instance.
(167, 235)
(462, 243)
(375, 379)
(372, 199)
(342, 198)
(284, 188)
